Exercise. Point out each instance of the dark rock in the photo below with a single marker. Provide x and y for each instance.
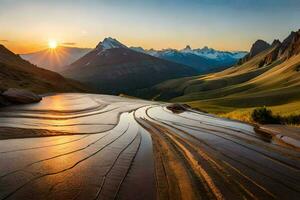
(3, 101)
(178, 108)
(20, 96)
(276, 43)
(278, 50)
(273, 55)
(258, 47)
(290, 46)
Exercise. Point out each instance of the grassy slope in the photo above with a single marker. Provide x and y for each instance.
(36, 79)
(18, 73)
(236, 91)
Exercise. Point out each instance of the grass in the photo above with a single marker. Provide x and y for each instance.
(235, 92)
(35, 79)
(244, 114)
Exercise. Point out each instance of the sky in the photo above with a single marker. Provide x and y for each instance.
(27, 25)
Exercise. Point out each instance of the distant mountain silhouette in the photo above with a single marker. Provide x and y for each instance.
(56, 59)
(204, 60)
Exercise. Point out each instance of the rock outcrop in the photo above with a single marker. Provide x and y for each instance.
(19, 96)
(258, 47)
(178, 108)
(290, 46)
(278, 50)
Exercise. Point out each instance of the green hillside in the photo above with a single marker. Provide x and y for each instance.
(270, 78)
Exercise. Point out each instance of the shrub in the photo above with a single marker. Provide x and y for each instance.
(264, 116)
(292, 119)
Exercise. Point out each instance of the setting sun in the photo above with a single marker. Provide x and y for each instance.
(52, 44)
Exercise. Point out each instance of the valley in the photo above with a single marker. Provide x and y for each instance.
(267, 76)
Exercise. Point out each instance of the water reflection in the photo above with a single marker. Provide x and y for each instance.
(69, 113)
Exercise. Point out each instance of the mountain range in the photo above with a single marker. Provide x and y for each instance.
(203, 60)
(113, 68)
(268, 75)
(16, 72)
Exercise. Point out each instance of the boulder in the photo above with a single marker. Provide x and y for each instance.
(178, 108)
(20, 96)
(3, 101)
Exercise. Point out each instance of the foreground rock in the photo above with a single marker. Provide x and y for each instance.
(178, 108)
(20, 96)
(3, 101)
(288, 135)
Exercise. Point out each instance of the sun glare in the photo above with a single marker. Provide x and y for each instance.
(52, 44)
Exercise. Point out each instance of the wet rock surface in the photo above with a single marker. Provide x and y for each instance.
(19, 96)
(288, 135)
(108, 147)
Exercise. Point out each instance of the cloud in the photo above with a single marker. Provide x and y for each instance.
(4, 41)
(69, 43)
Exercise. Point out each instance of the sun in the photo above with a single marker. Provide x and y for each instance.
(52, 44)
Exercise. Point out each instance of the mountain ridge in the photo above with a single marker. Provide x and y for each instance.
(205, 52)
(205, 60)
(109, 43)
(16, 72)
(113, 68)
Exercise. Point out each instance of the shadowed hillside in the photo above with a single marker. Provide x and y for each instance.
(18, 73)
(113, 68)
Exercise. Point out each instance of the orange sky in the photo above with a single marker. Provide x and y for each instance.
(33, 43)
(27, 25)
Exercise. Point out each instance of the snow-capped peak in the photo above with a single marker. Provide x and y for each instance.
(110, 43)
(205, 52)
(212, 53)
(138, 49)
(187, 49)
